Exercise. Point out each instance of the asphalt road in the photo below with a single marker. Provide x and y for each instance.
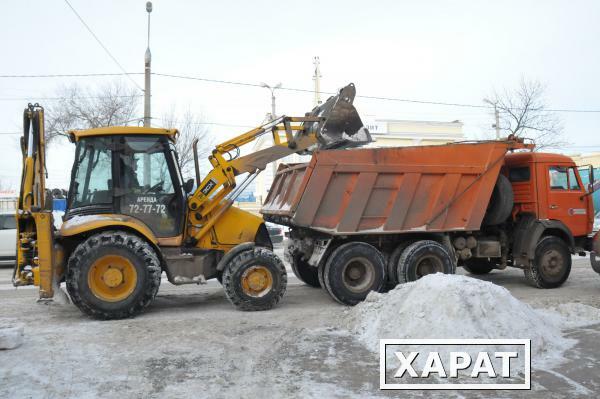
(192, 342)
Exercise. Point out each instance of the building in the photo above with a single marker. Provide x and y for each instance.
(401, 133)
(593, 158)
(385, 133)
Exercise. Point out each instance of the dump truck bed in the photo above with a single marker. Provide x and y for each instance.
(388, 190)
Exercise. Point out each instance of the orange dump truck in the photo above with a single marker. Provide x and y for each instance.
(369, 218)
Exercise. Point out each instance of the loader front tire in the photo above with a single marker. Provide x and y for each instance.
(113, 275)
(255, 279)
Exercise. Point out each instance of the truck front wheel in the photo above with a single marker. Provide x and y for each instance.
(422, 258)
(552, 263)
(352, 271)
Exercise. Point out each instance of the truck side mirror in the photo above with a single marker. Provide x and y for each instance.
(188, 186)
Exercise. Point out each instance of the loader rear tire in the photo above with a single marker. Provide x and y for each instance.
(352, 271)
(552, 263)
(424, 257)
(306, 273)
(113, 275)
(255, 279)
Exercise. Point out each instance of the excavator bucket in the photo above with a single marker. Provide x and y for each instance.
(342, 126)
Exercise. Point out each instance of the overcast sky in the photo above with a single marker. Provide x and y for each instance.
(450, 51)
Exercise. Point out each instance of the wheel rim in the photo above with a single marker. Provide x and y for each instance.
(257, 281)
(112, 278)
(552, 263)
(358, 274)
(429, 264)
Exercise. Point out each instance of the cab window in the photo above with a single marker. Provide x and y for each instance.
(92, 179)
(519, 174)
(563, 178)
(573, 183)
(558, 178)
(8, 222)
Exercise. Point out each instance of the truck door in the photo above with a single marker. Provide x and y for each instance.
(565, 199)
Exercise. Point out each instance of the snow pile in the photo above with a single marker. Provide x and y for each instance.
(572, 315)
(453, 306)
(11, 334)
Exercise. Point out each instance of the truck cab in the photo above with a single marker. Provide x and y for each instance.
(548, 188)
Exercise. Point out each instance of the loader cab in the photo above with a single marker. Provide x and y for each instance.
(128, 171)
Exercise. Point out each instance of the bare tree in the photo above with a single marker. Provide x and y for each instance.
(84, 108)
(191, 127)
(523, 113)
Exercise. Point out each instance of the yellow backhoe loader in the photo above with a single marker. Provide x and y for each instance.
(130, 215)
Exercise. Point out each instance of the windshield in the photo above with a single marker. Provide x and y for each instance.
(92, 173)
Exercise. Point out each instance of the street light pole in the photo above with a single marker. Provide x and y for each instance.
(272, 89)
(147, 74)
(496, 115)
(317, 78)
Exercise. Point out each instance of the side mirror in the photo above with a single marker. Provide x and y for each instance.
(188, 186)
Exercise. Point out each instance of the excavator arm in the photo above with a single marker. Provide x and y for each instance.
(334, 124)
(36, 254)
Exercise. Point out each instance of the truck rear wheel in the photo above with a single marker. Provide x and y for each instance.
(392, 265)
(352, 271)
(113, 275)
(552, 263)
(424, 257)
(255, 279)
(478, 266)
(306, 273)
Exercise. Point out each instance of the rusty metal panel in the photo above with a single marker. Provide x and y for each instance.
(357, 203)
(286, 190)
(389, 190)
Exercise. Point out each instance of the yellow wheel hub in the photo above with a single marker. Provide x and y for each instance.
(257, 281)
(112, 278)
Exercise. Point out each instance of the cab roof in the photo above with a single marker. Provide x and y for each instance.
(522, 157)
(76, 135)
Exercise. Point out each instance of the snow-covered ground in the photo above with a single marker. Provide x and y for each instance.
(193, 343)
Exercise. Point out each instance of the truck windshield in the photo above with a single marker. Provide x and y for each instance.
(92, 173)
